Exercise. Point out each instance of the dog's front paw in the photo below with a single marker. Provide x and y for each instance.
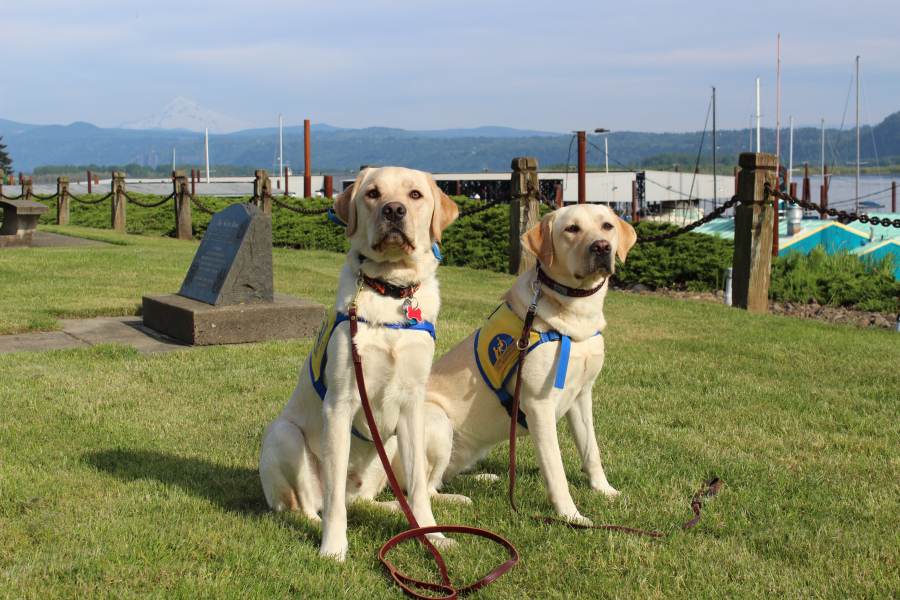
(607, 490)
(581, 520)
(337, 554)
(440, 541)
(457, 498)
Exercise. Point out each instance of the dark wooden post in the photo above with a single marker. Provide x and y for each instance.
(62, 202)
(807, 191)
(824, 198)
(262, 189)
(329, 186)
(753, 223)
(458, 185)
(559, 200)
(27, 188)
(307, 162)
(582, 197)
(90, 189)
(286, 181)
(893, 196)
(183, 227)
(524, 212)
(117, 187)
(735, 181)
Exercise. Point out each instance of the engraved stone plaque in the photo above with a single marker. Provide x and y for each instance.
(234, 262)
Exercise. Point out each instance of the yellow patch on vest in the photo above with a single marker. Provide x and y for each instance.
(495, 346)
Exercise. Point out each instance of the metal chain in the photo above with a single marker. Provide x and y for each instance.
(152, 205)
(840, 214)
(74, 197)
(302, 211)
(50, 197)
(713, 215)
(541, 196)
(5, 197)
(194, 200)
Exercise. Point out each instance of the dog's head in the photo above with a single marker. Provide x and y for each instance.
(580, 243)
(392, 212)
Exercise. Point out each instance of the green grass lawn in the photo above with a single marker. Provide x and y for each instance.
(124, 475)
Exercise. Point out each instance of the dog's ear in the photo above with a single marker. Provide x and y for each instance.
(344, 205)
(539, 240)
(627, 238)
(445, 211)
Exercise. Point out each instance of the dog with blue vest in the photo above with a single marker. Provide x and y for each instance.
(469, 397)
(318, 455)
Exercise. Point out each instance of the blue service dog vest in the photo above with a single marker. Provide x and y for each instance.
(497, 355)
(319, 357)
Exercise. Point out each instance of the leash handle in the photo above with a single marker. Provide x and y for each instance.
(407, 583)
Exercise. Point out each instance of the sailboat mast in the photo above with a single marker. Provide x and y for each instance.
(757, 116)
(823, 152)
(791, 155)
(778, 114)
(207, 155)
(857, 135)
(280, 149)
(715, 183)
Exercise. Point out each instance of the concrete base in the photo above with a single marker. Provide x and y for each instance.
(200, 324)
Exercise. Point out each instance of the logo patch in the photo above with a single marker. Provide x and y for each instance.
(501, 350)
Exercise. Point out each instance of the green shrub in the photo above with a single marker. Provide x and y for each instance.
(692, 261)
(842, 279)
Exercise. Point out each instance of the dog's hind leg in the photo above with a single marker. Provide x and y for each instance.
(288, 470)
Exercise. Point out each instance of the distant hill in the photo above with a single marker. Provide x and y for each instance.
(336, 149)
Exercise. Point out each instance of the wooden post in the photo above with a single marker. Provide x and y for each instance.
(329, 186)
(524, 212)
(183, 227)
(27, 188)
(307, 173)
(62, 202)
(893, 196)
(262, 187)
(286, 181)
(582, 197)
(753, 221)
(90, 189)
(458, 185)
(807, 191)
(559, 200)
(735, 181)
(117, 187)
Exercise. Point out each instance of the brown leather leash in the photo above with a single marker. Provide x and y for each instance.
(417, 532)
(710, 487)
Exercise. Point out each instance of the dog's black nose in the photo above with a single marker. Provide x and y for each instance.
(600, 247)
(394, 211)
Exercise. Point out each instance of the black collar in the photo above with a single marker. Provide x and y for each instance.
(387, 289)
(566, 290)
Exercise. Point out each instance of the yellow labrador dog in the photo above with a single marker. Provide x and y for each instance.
(469, 398)
(318, 455)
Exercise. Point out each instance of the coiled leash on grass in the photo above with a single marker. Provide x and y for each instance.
(710, 487)
(407, 583)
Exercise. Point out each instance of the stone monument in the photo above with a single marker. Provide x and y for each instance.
(228, 295)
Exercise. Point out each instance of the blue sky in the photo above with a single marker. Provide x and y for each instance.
(552, 66)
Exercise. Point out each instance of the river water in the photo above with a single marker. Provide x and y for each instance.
(842, 192)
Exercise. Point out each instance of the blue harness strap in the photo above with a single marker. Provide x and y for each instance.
(498, 356)
(319, 357)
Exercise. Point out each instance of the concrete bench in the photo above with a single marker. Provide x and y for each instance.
(20, 219)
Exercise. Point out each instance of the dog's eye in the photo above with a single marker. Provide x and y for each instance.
(415, 195)
(573, 229)
(607, 226)
(373, 193)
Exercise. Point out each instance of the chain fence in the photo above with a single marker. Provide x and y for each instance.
(302, 211)
(83, 201)
(146, 205)
(840, 214)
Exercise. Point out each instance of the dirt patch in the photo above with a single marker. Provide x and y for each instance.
(827, 314)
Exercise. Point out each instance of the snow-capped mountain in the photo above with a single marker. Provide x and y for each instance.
(182, 113)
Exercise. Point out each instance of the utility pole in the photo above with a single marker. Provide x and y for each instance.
(715, 183)
(582, 199)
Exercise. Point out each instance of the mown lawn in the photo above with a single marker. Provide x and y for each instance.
(124, 475)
